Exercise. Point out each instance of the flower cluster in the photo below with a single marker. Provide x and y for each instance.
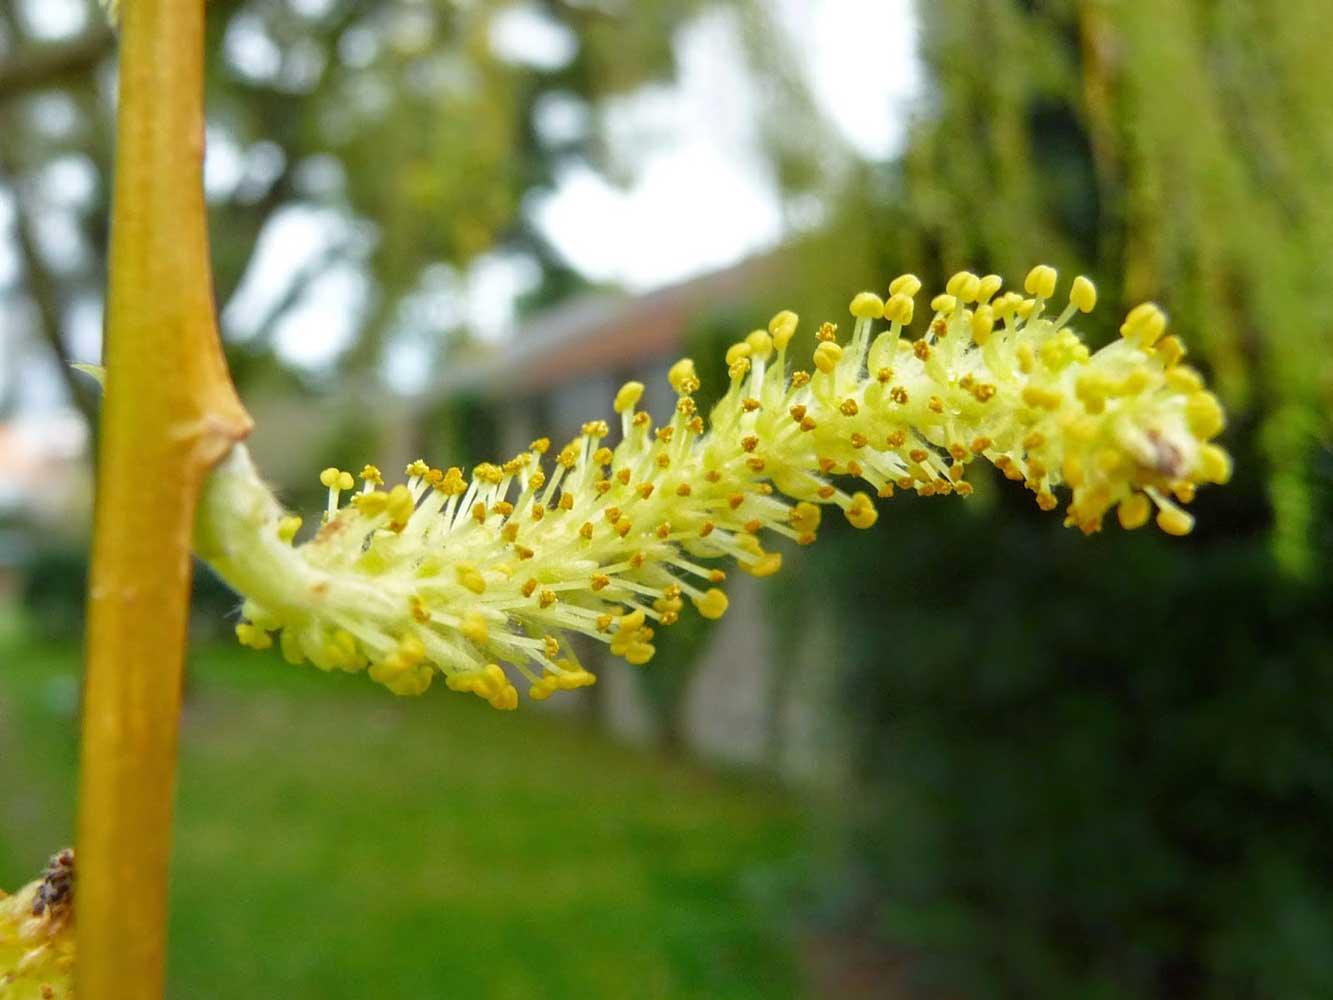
(612, 534)
(37, 935)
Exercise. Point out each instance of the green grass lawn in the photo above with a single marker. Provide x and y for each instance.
(333, 841)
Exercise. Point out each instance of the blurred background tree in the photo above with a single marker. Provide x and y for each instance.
(394, 139)
(1088, 767)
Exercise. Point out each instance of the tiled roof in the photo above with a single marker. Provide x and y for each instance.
(601, 332)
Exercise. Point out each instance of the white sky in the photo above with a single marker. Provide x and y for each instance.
(701, 196)
(54, 19)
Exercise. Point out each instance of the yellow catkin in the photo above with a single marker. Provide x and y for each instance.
(615, 534)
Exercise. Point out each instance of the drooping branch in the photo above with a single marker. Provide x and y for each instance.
(45, 294)
(53, 65)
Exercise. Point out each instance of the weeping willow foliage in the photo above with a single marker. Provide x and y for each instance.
(1184, 146)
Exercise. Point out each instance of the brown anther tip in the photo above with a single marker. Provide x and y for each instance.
(55, 895)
